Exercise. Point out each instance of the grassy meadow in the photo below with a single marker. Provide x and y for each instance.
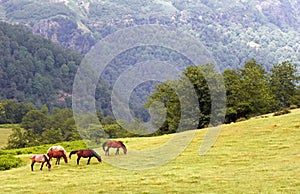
(260, 155)
(5, 131)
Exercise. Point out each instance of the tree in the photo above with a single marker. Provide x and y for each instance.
(248, 91)
(283, 80)
(16, 140)
(51, 136)
(255, 87)
(188, 100)
(36, 120)
(12, 111)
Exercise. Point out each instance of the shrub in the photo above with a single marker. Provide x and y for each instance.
(293, 106)
(9, 161)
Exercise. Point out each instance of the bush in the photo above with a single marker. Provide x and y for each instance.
(293, 106)
(9, 161)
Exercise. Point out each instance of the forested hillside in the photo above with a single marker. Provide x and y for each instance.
(33, 69)
(233, 31)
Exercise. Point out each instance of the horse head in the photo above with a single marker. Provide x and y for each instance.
(99, 159)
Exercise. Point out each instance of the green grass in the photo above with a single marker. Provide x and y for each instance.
(5, 131)
(260, 155)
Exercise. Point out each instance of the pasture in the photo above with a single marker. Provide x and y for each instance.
(5, 131)
(260, 155)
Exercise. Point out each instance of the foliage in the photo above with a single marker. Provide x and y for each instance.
(40, 127)
(12, 111)
(33, 69)
(9, 161)
(283, 81)
(252, 91)
(177, 98)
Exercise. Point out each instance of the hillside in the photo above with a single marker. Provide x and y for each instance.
(35, 70)
(233, 31)
(259, 155)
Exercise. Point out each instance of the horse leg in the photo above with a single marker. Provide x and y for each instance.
(32, 165)
(107, 151)
(89, 160)
(42, 166)
(117, 152)
(78, 160)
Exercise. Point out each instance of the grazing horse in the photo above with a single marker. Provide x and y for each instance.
(85, 154)
(57, 152)
(40, 158)
(114, 144)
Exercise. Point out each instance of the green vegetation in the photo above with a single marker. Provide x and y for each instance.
(8, 161)
(259, 155)
(250, 91)
(35, 70)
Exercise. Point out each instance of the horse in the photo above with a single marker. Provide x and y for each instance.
(89, 153)
(57, 152)
(114, 144)
(40, 158)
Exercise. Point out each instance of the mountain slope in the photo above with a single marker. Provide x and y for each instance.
(33, 69)
(233, 31)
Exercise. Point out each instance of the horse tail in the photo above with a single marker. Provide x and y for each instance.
(72, 152)
(103, 145)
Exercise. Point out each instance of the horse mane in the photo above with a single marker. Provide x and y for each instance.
(47, 160)
(95, 153)
(123, 145)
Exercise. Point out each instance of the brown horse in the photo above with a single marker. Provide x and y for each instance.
(85, 154)
(57, 152)
(40, 158)
(114, 144)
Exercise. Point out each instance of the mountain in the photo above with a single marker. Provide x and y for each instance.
(233, 31)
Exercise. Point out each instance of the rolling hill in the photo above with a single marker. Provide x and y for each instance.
(259, 155)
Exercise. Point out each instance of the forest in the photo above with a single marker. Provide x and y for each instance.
(250, 91)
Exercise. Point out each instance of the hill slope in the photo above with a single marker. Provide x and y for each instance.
(260, 155)
(33, 69)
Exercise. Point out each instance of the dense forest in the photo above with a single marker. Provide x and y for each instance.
(33, 69)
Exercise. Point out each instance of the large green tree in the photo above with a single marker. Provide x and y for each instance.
(188, 100)
(248, 91)
(283, 83)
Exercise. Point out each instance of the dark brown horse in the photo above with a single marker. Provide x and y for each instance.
(57, 152)
(40, 158)
(85, 154)
(114, 144)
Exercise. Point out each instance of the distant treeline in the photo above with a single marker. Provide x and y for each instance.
(250, 91)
